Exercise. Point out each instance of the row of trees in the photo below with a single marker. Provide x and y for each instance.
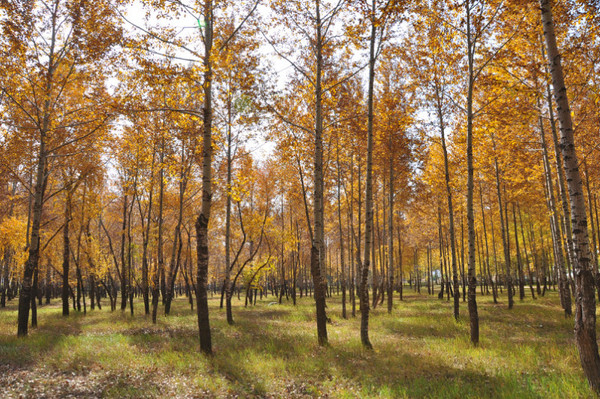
(421, 144)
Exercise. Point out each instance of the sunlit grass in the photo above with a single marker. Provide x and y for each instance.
(271, 351)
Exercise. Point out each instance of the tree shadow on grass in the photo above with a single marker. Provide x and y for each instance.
(272, 351)
(27, 351)
(305, 367)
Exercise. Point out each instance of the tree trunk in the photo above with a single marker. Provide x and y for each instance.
(519, 260)
(66, 256)
(557, 241)
(487, 251)
(204, 216)
(228, 206)
(146, 238)
(38, 197)
(505, 245)
(390, 297)
(526, 255)
(177, 240)
(472, 281)
(317, 249)
(160, 264)
(123, 262)
(341, 233)
(364, 293)
(450, 206)
(585, 305)
(566, 220)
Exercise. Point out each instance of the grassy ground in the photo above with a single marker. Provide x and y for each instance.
(271, 351)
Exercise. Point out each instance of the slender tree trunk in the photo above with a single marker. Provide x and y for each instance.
(400, 266)
(496, 279)
(123, 262)
(566, 218)
(5, 275)
(526, 255)
(390, 297)
(557, 241)
(317, 250)
(487, 252)
(507, 275)
(66, 256)
(228, 204)
(38, 201)
(364, 301)
(472, 281)
(462, 258)
(33, 244)
(450, 207)
(146, 238)
(352, 241)
(341, 233)
(441, 253)
(585, 305)
(519, 261)
(177, 241)
(536, 259)
(204, 216)
(160, 262)
(34, 292)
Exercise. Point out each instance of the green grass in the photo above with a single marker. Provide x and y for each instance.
(272, 351)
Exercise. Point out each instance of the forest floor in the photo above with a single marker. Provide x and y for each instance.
(272, 351)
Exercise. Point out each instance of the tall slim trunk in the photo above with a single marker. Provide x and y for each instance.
(498, 286)
(472, 281)
(562, 190)
(536, 259)
(487, 252)
(545, 266)
(462, 258)
(364, 300)
(351, 239)
(204, 216)
(123, 261)
(429, 269)
(520, 275)
(228, 204)
(160, 264)
(375, 277)
(317, 249)
(341, 232)
(177, 240)
(505, 245)
(390, 297)
(130, 260)
(526, 255)
(400, 267)
(598, 235)
(585, 305)
(146, 238)
(450, 207)
(507, 220)
(441, 253)
(66, 255)
(39, 189)
(557, 240)
(359, 238)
